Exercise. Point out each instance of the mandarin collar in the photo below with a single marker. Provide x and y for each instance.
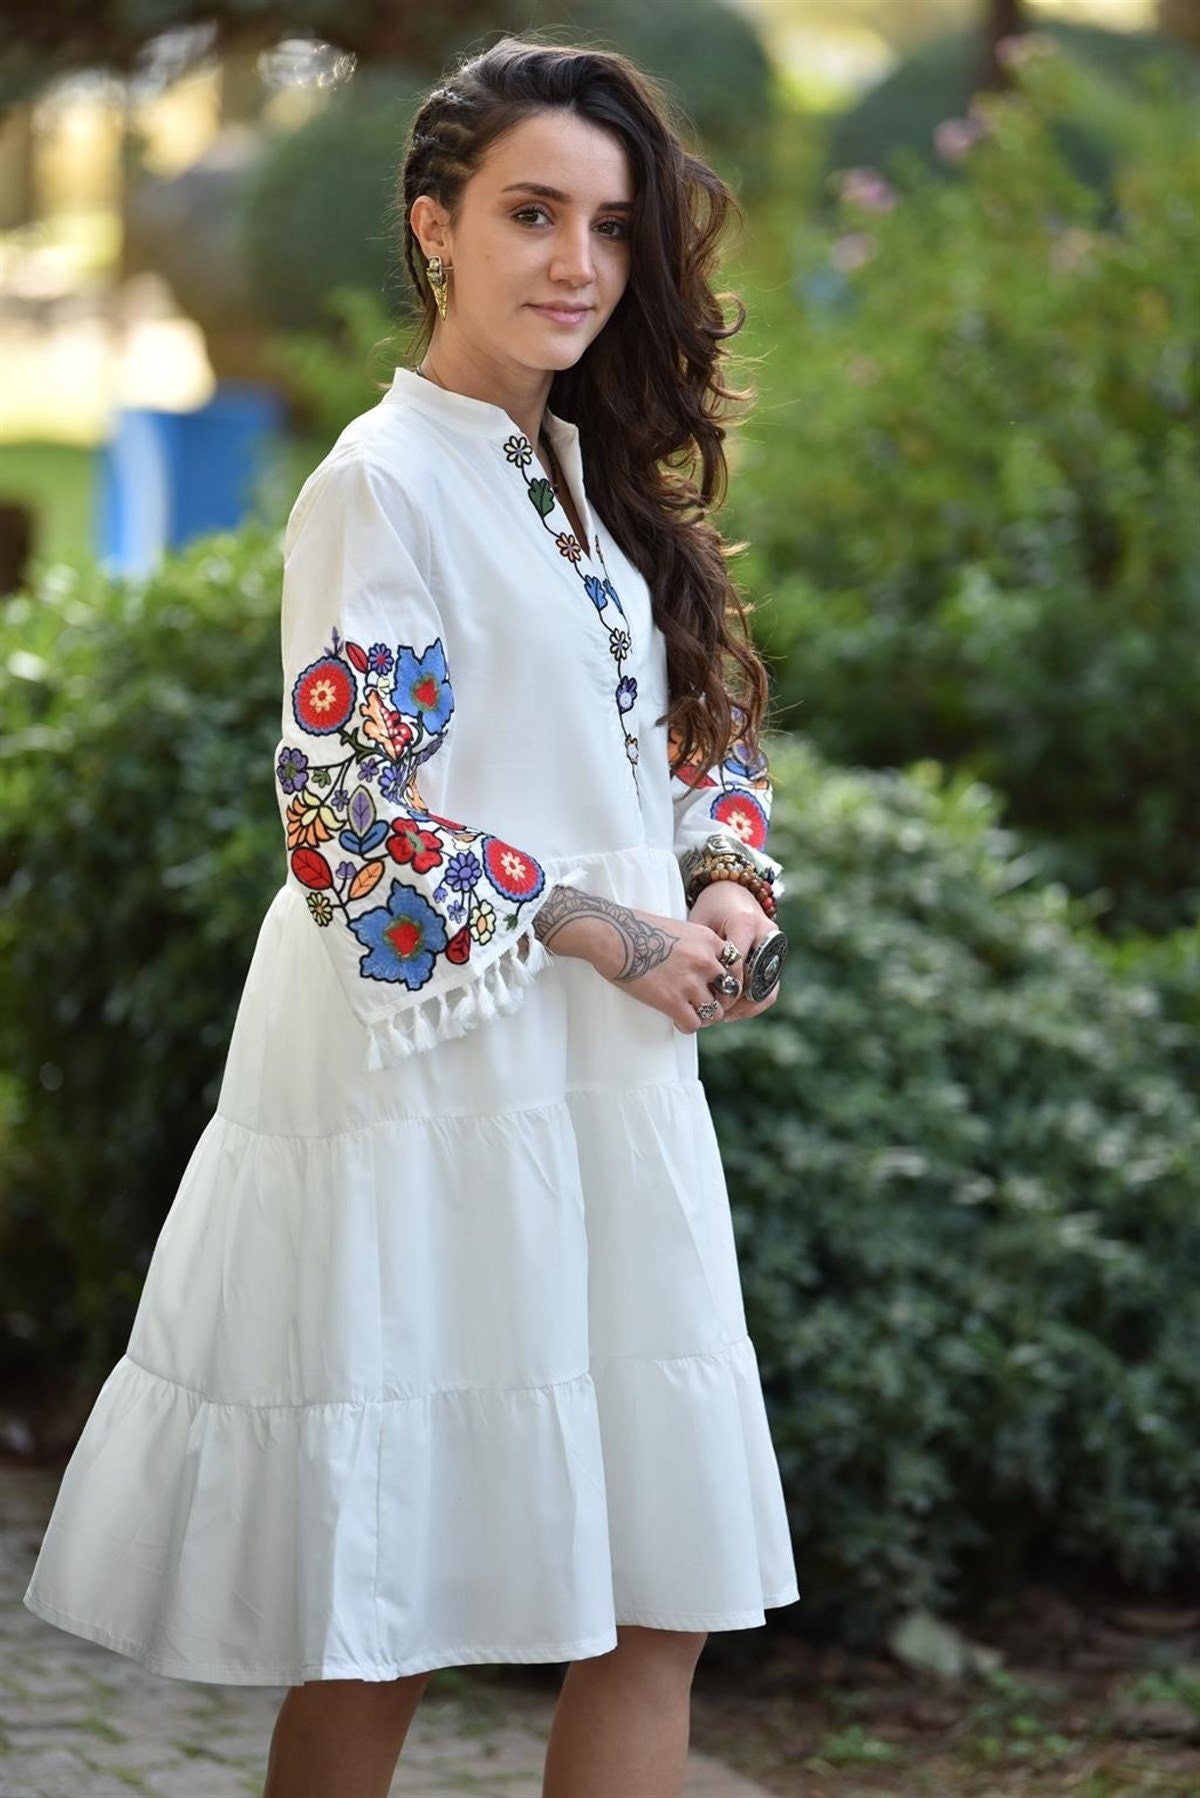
(446, 406)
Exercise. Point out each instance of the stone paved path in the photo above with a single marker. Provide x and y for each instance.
(81, 1722)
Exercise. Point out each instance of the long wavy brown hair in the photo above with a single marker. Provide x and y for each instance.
(647, 393)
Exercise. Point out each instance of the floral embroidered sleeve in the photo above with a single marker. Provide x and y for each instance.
(732, 798)
(426, 917)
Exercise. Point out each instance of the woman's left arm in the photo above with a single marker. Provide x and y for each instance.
(731, 799)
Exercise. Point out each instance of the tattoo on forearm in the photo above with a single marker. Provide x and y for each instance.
(645, 946)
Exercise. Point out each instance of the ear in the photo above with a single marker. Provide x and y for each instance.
(429, 224)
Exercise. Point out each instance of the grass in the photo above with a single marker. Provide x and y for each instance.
(60, 482)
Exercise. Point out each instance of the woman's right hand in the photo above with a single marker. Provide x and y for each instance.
(667, 963)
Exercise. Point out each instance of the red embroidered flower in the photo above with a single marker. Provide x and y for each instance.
(323, 696)
(512, 873)
(416, 848)
(744, 816)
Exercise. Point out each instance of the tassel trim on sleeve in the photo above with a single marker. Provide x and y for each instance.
(499, 987)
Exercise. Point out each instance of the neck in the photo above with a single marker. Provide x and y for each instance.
(522, 394)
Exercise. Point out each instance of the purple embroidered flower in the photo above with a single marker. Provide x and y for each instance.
(626, 692)
(379, 658)
(368, 769)
(292, 769)
(346, 870)
(741, 764)
(463, 871)
(339, 799)
(391, 783)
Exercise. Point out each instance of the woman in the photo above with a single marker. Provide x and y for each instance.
(441, 1356)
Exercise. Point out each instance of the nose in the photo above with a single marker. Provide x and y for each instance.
(572, 261)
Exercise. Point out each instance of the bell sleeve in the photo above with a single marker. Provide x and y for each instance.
(733, 799)
(426, 919)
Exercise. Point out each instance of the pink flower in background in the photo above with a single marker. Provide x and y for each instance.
(866, 188)
(1021, 47)
(954, 137)
(850, 252)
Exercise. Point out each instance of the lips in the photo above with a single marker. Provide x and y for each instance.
(567, 314)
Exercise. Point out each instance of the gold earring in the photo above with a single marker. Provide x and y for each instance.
(438, 271)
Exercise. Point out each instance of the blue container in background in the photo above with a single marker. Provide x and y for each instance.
(166, 477)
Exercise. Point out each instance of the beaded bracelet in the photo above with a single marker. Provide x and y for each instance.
(731, 867)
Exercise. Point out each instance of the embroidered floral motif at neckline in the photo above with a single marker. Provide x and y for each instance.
(519, 450)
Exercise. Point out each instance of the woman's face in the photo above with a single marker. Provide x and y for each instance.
(536, 275)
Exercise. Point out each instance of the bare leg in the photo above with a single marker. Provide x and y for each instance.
(341, 1735)
(622, 1719)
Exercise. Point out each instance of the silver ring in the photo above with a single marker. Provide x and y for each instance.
(710, 1009)
(726, 983)
(728, 954)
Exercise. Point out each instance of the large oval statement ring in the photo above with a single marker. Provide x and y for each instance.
(764, 965)
(709, 1010)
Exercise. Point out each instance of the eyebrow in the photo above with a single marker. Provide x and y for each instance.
(555, 193)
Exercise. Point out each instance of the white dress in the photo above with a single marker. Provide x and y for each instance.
(441, 1355)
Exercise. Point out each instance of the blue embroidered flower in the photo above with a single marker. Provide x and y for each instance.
(422, 688)
(614, 595)
(741, 763)
(595, 591)
(463, 871)
(346, 870)
(339, 800)
(368, 769)
(626, 692)
(402, 938)
(391, 783)
(292, 769)
(379, 658)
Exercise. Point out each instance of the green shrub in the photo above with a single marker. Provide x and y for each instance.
(141, 845)
(962, 1168)
(956, 1146)
(314, 213)
(899, 115)
(970, 490)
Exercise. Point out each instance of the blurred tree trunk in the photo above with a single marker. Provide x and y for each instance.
(1180, 19)
(1004, 18)
(17, 197)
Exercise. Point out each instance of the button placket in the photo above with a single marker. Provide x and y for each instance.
(599, 588)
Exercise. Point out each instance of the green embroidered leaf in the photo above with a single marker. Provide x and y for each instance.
(320, 777)
(542, 494)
